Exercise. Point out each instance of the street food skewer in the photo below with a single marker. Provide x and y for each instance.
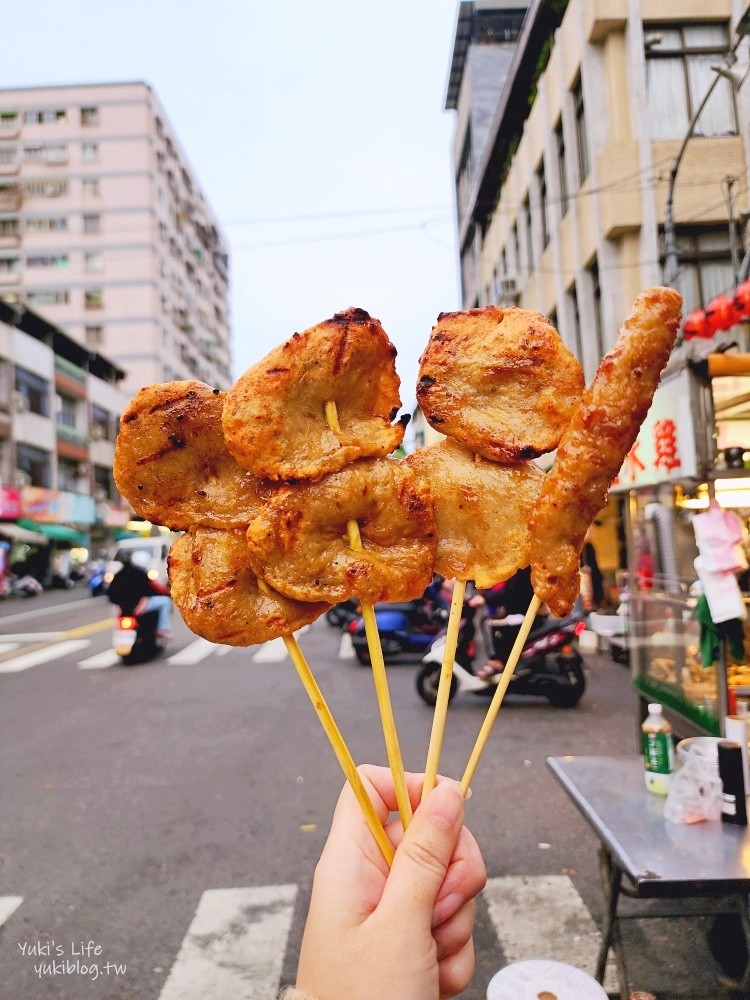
(393, 750)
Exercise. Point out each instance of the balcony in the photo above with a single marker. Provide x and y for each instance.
(11, 197)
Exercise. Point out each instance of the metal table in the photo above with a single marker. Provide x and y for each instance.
(642, 855)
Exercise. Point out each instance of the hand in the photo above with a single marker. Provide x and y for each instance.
(406, 934)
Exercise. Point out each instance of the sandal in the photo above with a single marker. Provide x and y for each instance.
(489, 670)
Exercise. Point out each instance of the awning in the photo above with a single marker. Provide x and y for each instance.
(19, 534)
(57, 532)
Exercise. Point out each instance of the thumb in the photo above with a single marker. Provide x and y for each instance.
(424, 854)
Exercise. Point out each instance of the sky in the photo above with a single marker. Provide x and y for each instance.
(317, 132)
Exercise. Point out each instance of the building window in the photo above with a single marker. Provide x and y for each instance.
(8, 120)
(55, 154)
(101, 424)
(45, 297)
(48, 260)
(104, 488)
(527, 234)
(705, 266)
(596, 296)
(678, 76)
(89, 116)
(575, 321)
(67, 475)
(34, 464)
(51, 188)
(89, 152)
(94, 336)
(44, 116)
(90, 187)
(93, 261)
(93, 298)
(8, 154)
(34, 390)
(541, 190)
(58, 224)
(10, 265)
(66, 411)
(92, 223)
(582, 143)
(9, 227)
(562, 176)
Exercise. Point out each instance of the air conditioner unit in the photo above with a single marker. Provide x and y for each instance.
(22, 479)
(98, 433)
(509, 290)
(20, 402)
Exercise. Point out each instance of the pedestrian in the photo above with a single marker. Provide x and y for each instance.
(135, 592)
(404, 934)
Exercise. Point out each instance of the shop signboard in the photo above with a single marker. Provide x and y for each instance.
(666, 448)
(56, 506)
(10, 504)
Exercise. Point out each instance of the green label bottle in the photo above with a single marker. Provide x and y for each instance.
(658, 750)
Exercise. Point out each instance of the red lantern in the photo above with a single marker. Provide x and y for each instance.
(721, 313)
(695, 325)
(742, 299)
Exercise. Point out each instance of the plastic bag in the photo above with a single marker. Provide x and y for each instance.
(696, 792)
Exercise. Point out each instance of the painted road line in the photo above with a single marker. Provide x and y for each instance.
(194, 653)
(8, 904)
(234, 948)
(81, 630)
(99, 661)
(273, 651)
(8, 647)
(543, 916)
(29, 637)
(38, 612)
(33, 659)
(346, 647)
(223, 650)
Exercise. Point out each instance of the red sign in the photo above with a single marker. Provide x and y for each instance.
(10, 504)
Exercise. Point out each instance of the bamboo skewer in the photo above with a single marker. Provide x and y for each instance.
(444, 687)
(393, 750)
(497, 698)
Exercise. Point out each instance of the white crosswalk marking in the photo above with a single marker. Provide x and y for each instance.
(8, 904)
(234, 948)
(529, 913)
(38, 656)
(273, 651)
(99, 661)
(194, 653)
(346, 647)
(8, 647)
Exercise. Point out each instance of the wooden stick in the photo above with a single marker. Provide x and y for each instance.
(380, 678)
(340, 748)
(444, 687)
(497, 698)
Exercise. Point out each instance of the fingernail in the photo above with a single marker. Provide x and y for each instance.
(445, 908)
(445, 803)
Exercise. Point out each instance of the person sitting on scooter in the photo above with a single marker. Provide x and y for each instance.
(135, 593)
(512, 601)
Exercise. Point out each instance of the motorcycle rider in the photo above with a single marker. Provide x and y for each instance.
(135, 593)
(512, 600)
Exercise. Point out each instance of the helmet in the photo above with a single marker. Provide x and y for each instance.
(141, 559)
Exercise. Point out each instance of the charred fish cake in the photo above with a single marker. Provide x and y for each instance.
(275, 421)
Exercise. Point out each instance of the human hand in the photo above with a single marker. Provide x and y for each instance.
(406, 934)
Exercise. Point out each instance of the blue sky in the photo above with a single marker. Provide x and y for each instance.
(317, 131)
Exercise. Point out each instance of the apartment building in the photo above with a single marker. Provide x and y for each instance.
(60, 406)
(104, 229)
(560, 205)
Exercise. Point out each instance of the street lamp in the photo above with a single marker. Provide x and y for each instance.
(736, 73)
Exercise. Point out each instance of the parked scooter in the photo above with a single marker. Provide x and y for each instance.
(550, 664)
(340, 615)
(135, 639)
(405, 629)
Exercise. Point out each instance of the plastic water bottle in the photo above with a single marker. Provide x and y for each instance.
(658, 750)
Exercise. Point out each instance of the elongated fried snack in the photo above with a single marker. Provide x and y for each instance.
(500, 381)
(300, 546)
(274, 415)
(482, 511)
(171, 462)
(218, 596)
(595, 444)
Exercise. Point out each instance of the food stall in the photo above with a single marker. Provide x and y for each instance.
(692, 455)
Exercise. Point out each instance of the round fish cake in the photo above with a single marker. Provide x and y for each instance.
(218, 596)
(171, 462)
(500, 381)
(482, 510)
(274, 415)
(299, 543)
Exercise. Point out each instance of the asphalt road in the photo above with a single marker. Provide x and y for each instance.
(127, 795)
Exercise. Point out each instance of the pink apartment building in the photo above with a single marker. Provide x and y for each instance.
(104, 230)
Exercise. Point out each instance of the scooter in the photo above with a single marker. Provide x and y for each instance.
(407, 628)
(550, 664)
(135, 639)
(340, 615)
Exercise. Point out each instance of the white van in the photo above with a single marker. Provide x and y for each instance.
(156, 548)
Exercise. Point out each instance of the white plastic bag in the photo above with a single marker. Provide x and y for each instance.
(695, 792)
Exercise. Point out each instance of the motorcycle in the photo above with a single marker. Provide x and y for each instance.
(405, 629)
(550, 664)
(135, 638)
(340, 615)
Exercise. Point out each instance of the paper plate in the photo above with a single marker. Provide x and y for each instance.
(542, 980)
